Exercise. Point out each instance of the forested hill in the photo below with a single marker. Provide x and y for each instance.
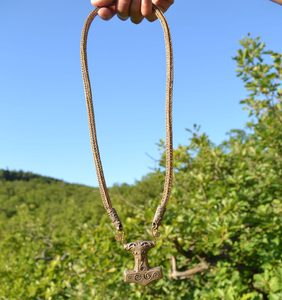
(20, 182)
(37, 193)
(19, 189)
(9, 175)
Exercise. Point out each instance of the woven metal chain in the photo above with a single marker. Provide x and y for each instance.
(93, 134)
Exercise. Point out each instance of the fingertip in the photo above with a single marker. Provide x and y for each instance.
(152, 18)
(105, 13)
(95, 2)
(146, 8)
(136, 21)
(123, 7)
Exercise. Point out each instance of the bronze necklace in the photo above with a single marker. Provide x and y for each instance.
(142, 273)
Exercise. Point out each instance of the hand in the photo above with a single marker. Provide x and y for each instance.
(137, 10)
(277, 1)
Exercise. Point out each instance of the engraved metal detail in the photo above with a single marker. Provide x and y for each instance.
(115, 219)
(142, 273)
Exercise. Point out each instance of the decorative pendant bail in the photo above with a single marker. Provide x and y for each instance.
(157, 219)
(115, 219)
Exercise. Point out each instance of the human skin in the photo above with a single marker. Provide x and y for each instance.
(277, 1)
(136, 10)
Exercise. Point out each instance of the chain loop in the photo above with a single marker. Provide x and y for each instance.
(93, 134)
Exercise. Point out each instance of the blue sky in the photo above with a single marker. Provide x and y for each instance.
(43, 121)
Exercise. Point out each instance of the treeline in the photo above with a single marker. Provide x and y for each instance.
(12, 175)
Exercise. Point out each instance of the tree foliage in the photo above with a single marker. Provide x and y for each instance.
(224, 214)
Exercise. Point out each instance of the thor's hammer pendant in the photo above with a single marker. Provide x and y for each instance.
(142, 273)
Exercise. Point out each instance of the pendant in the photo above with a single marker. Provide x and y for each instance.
(142, 273)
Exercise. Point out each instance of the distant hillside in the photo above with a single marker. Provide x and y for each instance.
(37, 191)
(8, 175)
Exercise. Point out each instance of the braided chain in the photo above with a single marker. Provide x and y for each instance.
(93, 134)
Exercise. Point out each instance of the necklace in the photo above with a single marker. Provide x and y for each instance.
(142, 273)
